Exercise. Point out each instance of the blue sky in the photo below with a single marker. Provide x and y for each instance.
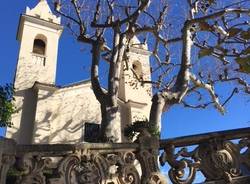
(73, 65)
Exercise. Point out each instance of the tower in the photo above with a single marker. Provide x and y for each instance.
(38, 33)
(134, 92)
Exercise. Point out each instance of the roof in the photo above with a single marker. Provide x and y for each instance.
(52, 87)
(43, 11)
(41, 85)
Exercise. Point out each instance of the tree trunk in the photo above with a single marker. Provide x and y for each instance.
(158, 103)
(110, 125)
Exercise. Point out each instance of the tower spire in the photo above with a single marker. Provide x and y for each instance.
(43, 11)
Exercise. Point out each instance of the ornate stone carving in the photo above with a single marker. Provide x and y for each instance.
(179, 166)
(67, 169)
(150, 170)
(32, 168)
(89, 173)
(7, 157)
(128, 174)
(6, 162)
(148, 158)
(98, 168)
(219, 160)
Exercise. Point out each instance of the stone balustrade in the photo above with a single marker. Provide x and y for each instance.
(222, 157)
(38, 59)
(95, 163)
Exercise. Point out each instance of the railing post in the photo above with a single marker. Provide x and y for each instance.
(7, 157)
(148, 158)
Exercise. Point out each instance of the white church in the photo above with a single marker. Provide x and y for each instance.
(49, 114)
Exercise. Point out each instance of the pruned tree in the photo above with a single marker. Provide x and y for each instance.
(195, 45)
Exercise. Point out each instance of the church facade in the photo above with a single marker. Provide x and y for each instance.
(51, 114)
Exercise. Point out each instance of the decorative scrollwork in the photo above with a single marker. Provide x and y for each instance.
(32, 168)
(217, 160)
(177, 172)
(99, 168)
(89, 173)
(220, 160)
(103, 163)
(155, 178)
(82, 169)
(128, 174)
(148, 158)
(6, 161)
(67, 169)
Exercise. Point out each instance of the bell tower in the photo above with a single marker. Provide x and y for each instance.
(133, 91)
(38, 33)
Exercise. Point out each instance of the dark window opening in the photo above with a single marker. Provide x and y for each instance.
(39, 47)
(137, 69)
(44, 61)
(134, 67)
(91, 132)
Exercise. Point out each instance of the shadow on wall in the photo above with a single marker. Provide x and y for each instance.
(49, 131)
(48, 117)
(44, 134)
(28, 116)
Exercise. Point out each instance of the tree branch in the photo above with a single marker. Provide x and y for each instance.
(99, 93)
(200, 84)
(143, 5)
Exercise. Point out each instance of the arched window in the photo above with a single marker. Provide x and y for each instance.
(137, 68)
(39, 47)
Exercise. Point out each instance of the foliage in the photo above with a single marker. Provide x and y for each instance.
(138, 127)
(6, 105)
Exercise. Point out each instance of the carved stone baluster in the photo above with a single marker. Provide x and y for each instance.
(6, 162)
(80, 168)
(148, 158)
(7, 157)
(93, 167)
(219, 160)
(128, 174)
(32, 168)
(67, 169)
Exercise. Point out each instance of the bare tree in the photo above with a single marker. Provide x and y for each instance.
(195, 44)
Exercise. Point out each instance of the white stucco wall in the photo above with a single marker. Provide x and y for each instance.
(60, 115)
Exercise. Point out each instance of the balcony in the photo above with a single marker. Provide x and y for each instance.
(39, 59)
(222, 157)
